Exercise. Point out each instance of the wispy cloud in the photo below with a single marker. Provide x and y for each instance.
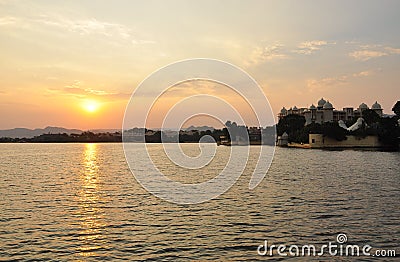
(332, 81)
(391, 50)
(195, 87)
(310, 47)
(278, 51)
(364, 55)
(8, 20)
(85, 26)
(367, 52)
(78, 91)
(273, 52)
(267, 53)
(364, 73)
(352, 42)
(318, 84)
(140, 42)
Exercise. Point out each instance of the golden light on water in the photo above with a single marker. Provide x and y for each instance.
(90, 199)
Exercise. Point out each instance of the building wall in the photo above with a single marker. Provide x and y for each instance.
(319, 118)
(319, 141)
(328, 115)
(321, 115)
(307, 116)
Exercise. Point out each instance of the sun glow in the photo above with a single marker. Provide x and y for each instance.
(91, 106)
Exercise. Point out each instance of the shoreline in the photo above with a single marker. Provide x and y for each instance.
(341, 148)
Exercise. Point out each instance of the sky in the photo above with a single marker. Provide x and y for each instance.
(75, 64)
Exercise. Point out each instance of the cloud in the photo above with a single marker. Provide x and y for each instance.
(277, 51)
(76, 90)
(310, 47)
(364, 55)
(140, 42)
(364, 73)
(322, 83)
(391, 50)
(86, 26)
(367, 52)
(317, 84)
(267, 53)
(273, 52)
(352, 42)
(8, 20)
(195, 87)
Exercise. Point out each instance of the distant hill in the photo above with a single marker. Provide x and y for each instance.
(29, 133)
(97, 131)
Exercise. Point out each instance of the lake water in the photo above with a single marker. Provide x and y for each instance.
(80, 202)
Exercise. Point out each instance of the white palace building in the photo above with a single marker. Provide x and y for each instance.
(325, 112)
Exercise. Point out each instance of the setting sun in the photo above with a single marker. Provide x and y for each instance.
(91, 106)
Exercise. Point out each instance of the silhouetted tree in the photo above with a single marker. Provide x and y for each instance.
(290, 124)
(370, 116)
(351, 122)
(396, 109)
(389, 131)
(333, 130)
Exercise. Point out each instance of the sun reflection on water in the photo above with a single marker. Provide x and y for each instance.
(91, 213)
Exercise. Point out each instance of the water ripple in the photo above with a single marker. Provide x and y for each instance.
(80, 202)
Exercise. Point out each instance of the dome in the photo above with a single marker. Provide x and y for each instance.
(328, 105)
(283, 111)
(321, 102)
(312, 107)
(376, 105)
(363, 106)
(285, 135)
(295, 108)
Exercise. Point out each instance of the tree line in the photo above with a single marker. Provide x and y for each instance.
(150, 136)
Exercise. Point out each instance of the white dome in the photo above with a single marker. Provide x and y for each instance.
(321, 102)
(283, 111)
(363, 106)
(328, 105)
(376, 105)
(313, 106)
